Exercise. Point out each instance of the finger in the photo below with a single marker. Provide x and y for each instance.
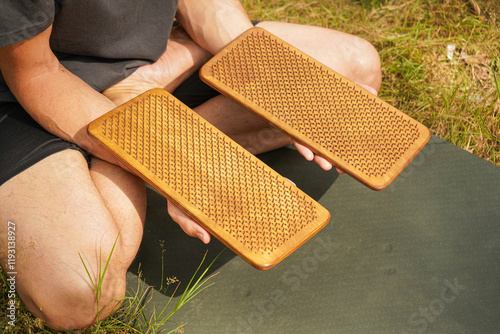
(290, 181)
(305, 151)
(309, 155)
(189, 226)
(322, 162)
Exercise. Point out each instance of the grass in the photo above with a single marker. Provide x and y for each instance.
(135, 314)
(458, 99)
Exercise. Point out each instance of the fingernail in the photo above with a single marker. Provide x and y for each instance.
(200, 236)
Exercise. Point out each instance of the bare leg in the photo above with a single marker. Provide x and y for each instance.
(254, 134)
(63, 211)
(349, 55)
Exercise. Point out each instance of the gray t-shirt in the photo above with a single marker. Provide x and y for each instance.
(100, 41)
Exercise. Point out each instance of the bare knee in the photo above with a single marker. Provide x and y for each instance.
(364, 63)
(349, 55)
(75, 289)
(81, 288)
(72, 216)
(83, 297)
(75, 303)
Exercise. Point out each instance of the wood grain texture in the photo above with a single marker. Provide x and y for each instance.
(352, 128)
(241, 201)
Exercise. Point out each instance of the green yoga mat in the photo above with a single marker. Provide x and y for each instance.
(423, 256)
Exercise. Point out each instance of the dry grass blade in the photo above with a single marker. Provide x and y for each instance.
(476, 7)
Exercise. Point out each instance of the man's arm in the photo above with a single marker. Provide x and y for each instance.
(213, 24)
(58, 100)
(63, 104)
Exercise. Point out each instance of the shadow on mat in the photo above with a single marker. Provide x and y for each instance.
(182, 254)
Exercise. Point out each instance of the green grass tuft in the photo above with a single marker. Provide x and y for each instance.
(132, 316)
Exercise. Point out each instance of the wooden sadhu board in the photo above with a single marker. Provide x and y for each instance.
(352, 128)
(249, 207)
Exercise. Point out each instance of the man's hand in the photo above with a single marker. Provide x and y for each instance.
(309, 155)
(189, 226)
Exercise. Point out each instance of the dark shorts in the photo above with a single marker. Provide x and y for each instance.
(23, 142)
